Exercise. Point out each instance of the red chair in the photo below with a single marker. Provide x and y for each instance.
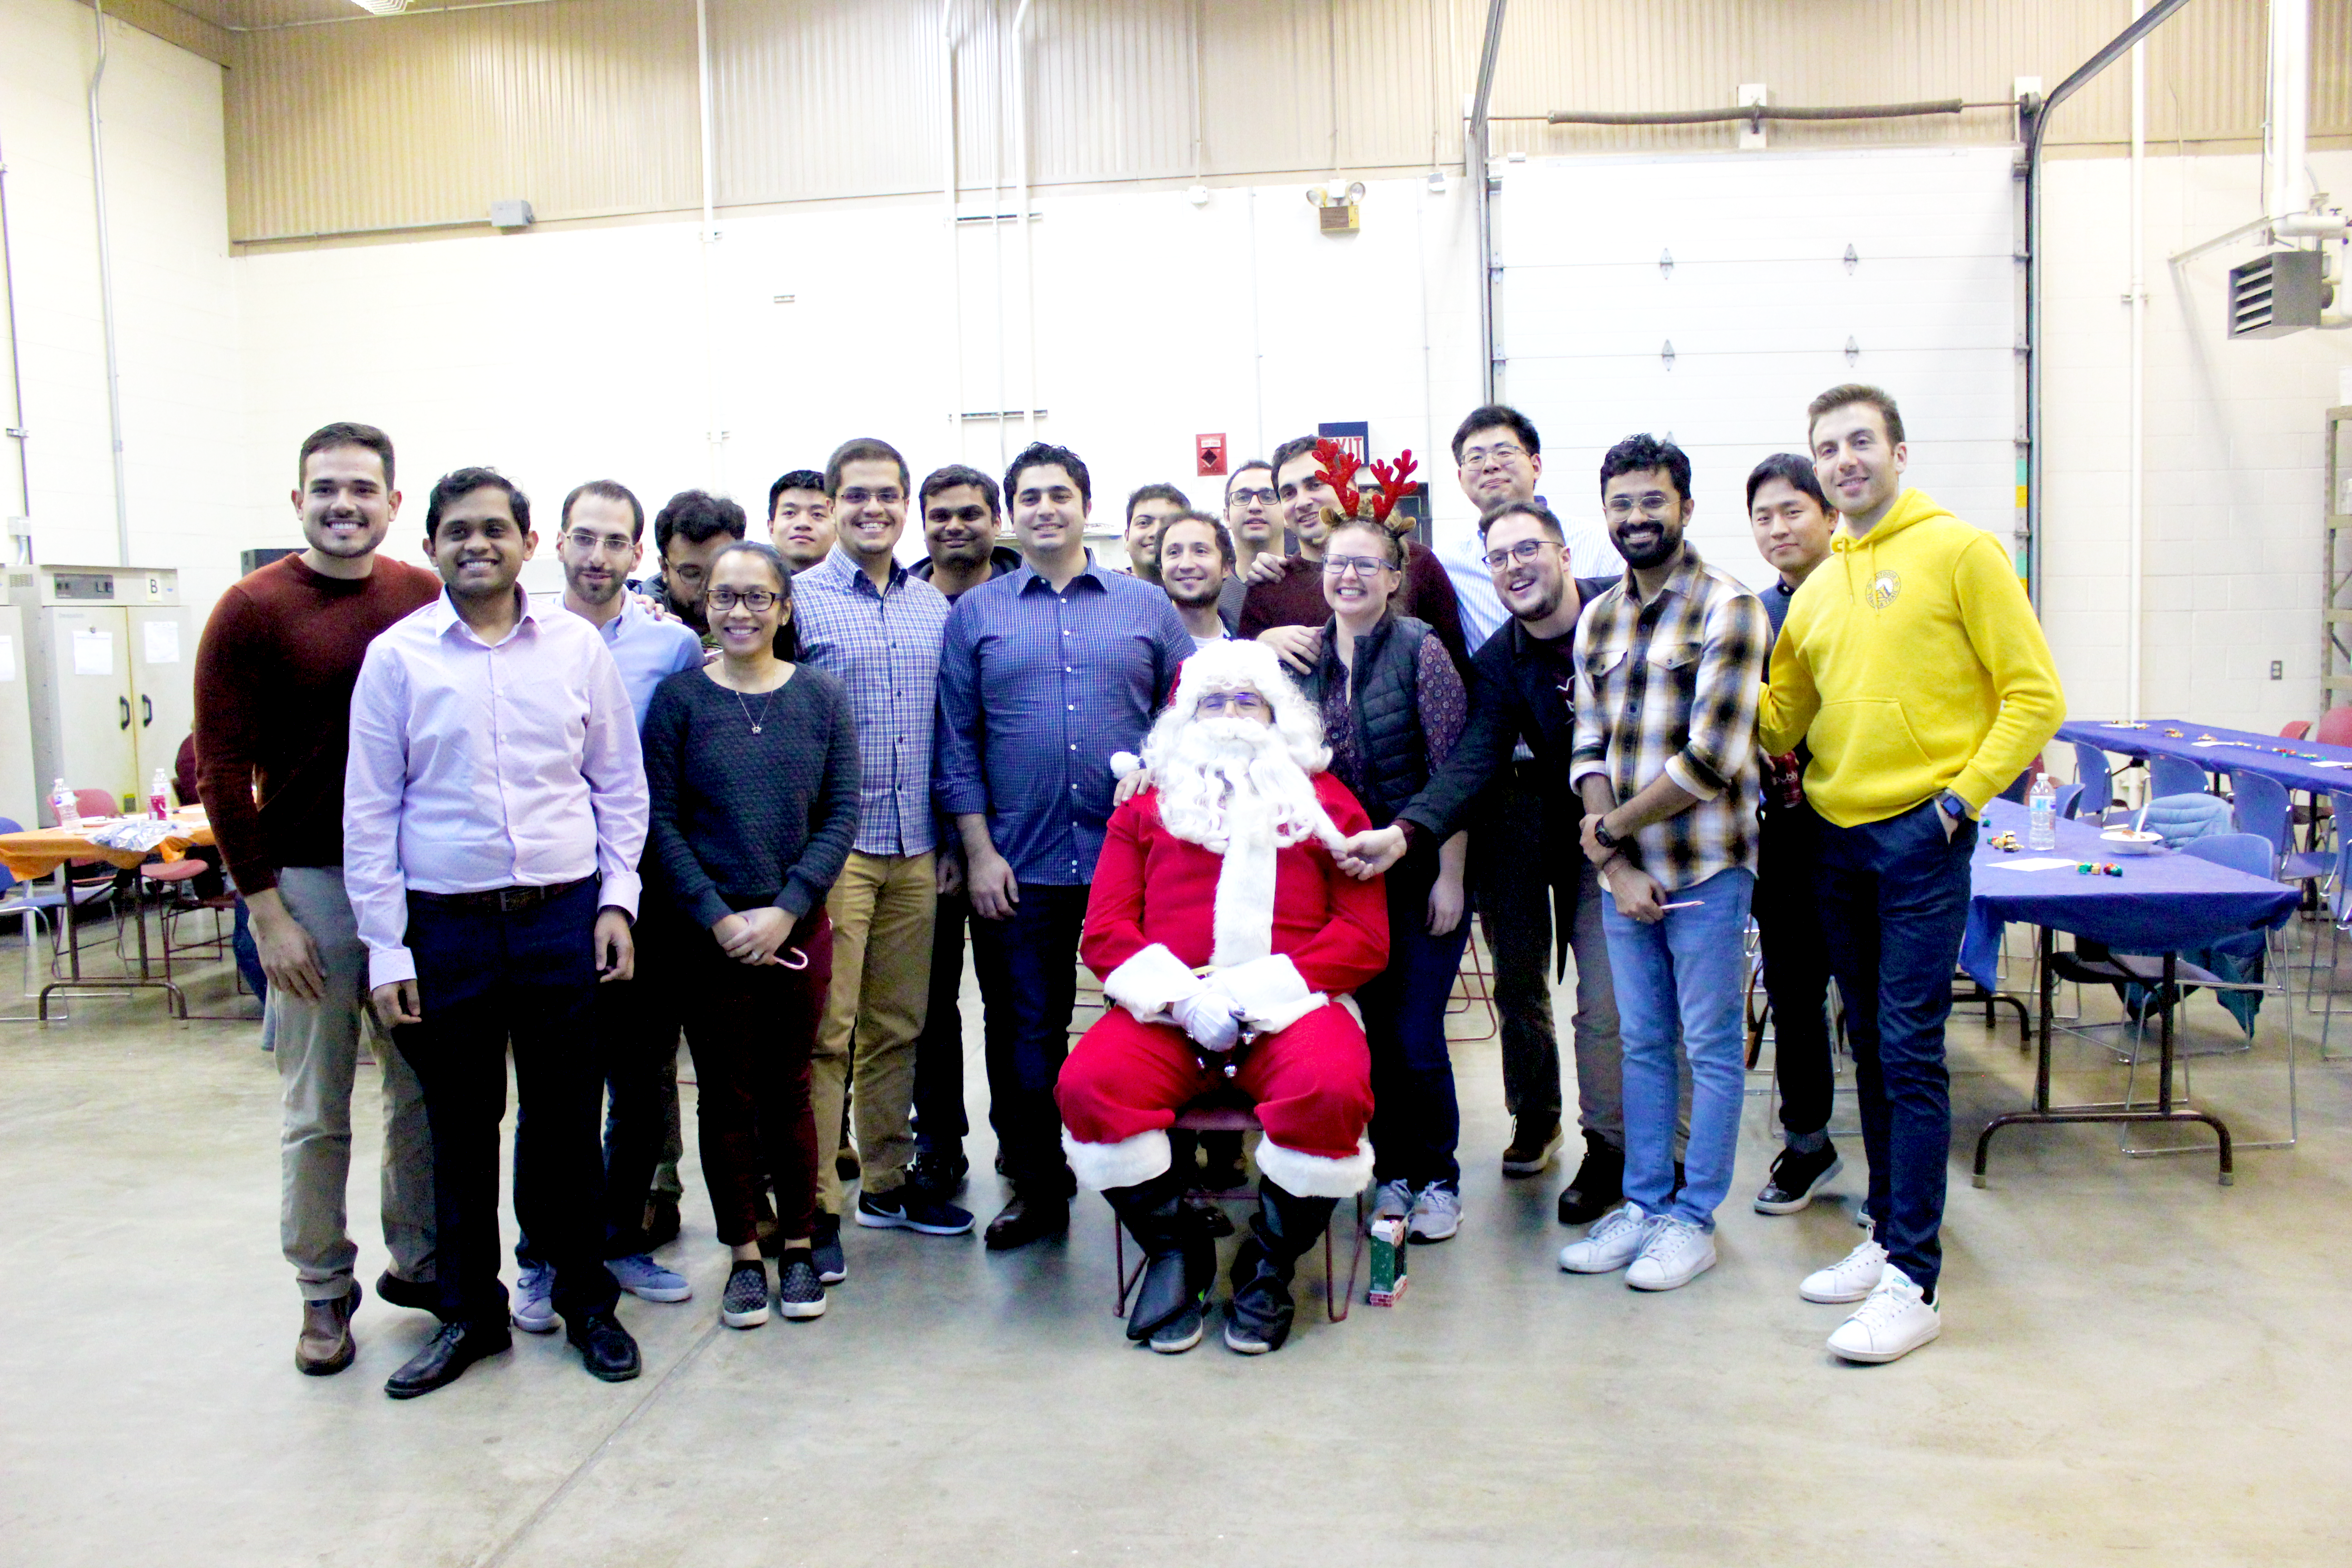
(2294, 729)
(2335, 728)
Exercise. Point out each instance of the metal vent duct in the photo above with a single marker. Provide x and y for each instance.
(2274, 295)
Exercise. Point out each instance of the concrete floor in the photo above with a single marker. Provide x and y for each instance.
(2139, 1365)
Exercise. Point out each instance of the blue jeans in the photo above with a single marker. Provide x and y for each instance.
(1688, 968)
(1895, 902)
(1416, 1119)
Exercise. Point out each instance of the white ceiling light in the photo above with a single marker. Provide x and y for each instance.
(381, 7)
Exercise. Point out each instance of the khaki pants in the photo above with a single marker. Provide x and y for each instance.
(883, 907)
(318, 1049)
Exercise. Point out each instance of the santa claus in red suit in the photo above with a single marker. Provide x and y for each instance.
(1227, 940)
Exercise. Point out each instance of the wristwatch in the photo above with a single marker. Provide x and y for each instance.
(1602, 836)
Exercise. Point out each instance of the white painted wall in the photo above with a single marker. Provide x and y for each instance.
(183, 389)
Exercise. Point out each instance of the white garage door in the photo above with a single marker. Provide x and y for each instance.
(1741, 264)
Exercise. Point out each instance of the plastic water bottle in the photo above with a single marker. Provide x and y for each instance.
(159, 796)
(66, 804)
(2041, 813)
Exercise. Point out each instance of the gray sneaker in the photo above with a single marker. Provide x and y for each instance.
(1436, 1212)
(1393, 1200)
(534, 1308)
(641, 1277)
(800, 1294)
(744, 1303)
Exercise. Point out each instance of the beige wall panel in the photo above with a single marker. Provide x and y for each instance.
(1266, 88)
(823, 97)
(1110, 89)
(583, 109)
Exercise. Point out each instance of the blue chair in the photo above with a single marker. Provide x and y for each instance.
(2263, 808)
(2098, 782)
(2070, 797)
(27, 901)
(2175, 775)
(2183, 817)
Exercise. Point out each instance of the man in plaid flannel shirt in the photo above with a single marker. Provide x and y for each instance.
(1668, 664)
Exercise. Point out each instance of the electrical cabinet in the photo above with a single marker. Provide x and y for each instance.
(110, 667)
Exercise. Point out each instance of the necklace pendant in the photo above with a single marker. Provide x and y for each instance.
(755, 729)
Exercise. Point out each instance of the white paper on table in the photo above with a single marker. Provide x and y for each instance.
(163, 641)
(93, 650)
(7, 658)
(2032, 864)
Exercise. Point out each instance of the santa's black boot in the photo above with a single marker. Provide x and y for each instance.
(1257, 1320)
(1179, 1261)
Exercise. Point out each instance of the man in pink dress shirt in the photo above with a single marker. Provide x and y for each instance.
(494, 809)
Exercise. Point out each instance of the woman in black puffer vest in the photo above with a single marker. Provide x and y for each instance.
(1392, 706)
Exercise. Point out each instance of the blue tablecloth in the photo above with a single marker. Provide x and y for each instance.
(2250, 754)
(2162, 903)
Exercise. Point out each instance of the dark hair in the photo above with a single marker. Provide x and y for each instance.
(1636, 453)
(344, 433)
(1539, 513)
(1487, 418)
(1793, 466)
(859, 449)
(699, 516)
(1392, 545)
(956, 474)
(608, 489)
(459, 482)
(1855, 391)
(1246, 467)
(798, 480)
(1290, 452)
(1216, 526)
(1156, 492)
(1040, 455)
(788, 641)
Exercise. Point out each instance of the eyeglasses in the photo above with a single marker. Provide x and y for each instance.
(1655, 504)
(1361, 565)
(752, 599)
(1499, 456)
(888, 496)
(580, 539)
(1525, 551)
(1241, 702)
(1259, 497)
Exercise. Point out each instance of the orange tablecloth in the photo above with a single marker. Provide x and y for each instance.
(43, 849)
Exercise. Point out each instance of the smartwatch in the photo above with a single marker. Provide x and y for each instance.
(1952, 804)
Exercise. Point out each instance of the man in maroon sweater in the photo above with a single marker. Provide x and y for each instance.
(274, 676)
(1285, 593)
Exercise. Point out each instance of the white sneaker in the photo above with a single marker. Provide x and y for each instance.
(1896, 1320)
(1676, 1253)
(1437, 1213)
(1391, 1200)
(1614, 1241)
(1849, 1279)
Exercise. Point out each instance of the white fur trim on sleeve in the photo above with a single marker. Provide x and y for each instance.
(1270, 992)
(1314, 1176)
(1120, 1164)
(1150, 983)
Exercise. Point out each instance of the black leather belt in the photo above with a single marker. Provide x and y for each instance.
(502, 901)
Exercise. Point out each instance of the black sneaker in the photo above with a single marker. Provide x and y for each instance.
(906, 1208)
(845, 1164)
(661, 1220)
(800, 1293)
(1599, 1185)
(744, 1305)
(940, 1176)
(1534, 1146)
(824, 1243)
(1797, 1179)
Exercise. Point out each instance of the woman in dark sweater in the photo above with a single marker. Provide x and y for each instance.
(752, 763)
(1394, 706)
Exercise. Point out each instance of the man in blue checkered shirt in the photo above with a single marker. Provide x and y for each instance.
(1668, 663)
(1046, 672)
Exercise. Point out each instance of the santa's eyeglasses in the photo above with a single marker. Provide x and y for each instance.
(1243, 702)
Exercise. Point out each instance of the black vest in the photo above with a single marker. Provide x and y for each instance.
(1386, 706)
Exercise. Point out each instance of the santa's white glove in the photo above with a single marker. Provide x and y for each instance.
(1208, 1017)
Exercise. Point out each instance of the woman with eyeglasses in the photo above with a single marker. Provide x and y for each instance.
(751, 763)
(1394, 706)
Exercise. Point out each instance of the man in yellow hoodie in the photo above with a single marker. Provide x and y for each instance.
(1912, 666)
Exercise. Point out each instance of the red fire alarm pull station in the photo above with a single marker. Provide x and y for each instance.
(1209, 454)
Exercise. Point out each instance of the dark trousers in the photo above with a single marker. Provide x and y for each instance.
(1416, 1119)
(939, 1120)
(1796, 966)
(1895, 900)
(1511, 882)
(1027, 966)
(527, 979)
(753, 1028)
(635, 1028)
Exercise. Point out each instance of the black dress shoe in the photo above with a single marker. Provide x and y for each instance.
(1026, 1219)
(416, 1295)
(605, 1347)
(453, 1348)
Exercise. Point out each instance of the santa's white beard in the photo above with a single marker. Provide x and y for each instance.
(1234, 779)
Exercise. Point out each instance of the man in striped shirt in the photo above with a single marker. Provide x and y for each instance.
(1667, 666)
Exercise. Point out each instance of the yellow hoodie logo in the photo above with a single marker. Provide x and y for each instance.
(1883, 589)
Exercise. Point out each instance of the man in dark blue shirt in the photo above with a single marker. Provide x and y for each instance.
(1046, 672)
